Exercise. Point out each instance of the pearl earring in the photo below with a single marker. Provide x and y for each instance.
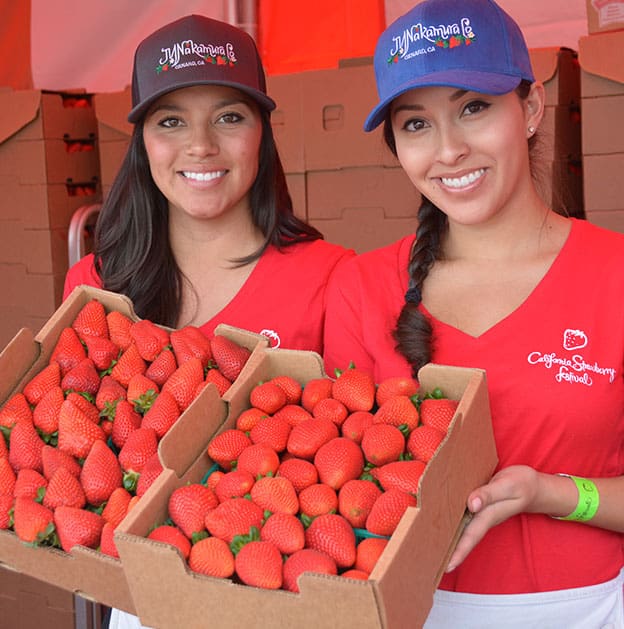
(531, 130)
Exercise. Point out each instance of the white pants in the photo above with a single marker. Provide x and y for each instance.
(595, 607)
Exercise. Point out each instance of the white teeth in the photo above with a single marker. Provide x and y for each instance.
(460, 182)
(203, 176)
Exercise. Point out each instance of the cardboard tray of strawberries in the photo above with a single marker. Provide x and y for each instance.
(398, 590)
(77, 559)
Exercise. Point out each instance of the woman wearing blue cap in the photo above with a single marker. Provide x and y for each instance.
(495, 279)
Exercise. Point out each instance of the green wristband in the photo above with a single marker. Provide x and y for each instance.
(588, 500)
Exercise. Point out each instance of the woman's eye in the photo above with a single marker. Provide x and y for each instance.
(230, 117)
(170, 123)
(414, 124)
(476, 106)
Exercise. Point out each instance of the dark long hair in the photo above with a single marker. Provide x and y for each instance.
(132, 249)
(413, 332)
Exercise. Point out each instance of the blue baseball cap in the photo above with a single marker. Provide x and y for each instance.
(468, 44)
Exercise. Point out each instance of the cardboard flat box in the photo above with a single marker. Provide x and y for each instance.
(602, 175)
(603, 131)
(560, 132)
(297, 187)
(613, 219)
(400, 590)
(36, 294)
(605, 15)
(84, 571)
(602, 70)
(557, 68)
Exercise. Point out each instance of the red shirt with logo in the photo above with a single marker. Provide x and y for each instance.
(555, 373)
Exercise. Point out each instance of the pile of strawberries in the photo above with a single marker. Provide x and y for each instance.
(78, 444)
(311, 478)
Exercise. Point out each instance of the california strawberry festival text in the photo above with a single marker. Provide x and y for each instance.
(173, 54)
(567, 365)
(418, 32)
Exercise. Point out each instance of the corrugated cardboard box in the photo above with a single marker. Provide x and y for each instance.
(400, 590)
(605, 15)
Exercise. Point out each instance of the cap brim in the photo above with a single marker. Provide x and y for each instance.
(137, 112)
(483, 82)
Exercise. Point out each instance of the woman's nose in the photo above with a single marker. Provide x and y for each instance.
(453, 145)
(202, 141)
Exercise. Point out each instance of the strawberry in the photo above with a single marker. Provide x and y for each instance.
(212, 556)
(91, 320)
(235, 516)
(68, 351)
(125, 421)
(25, 447)
(171, 535)
(259, 564)
(293, 414)
(183, 382)
(116, 507)
(29, 484)
(332, 409)
(229, 356)
(225, 448)
(423, 442)
(129, 364)
(119, 329)
(48, 378)
(396, 385)
(259, 459)
(6, 509)
(382, 443)
(149, 339)
(110, 391)
(355, 389)
(403, 475)
(77, 527)
(188, 506)
(142, 392)
(64, 489)
(189, 342)
(438, 413)
(53, 458)
(4, 448)
(299, 472)
(234, 484)
(139, 447)
(317, 499)
(7, 478)
(268, 397)
(332, 534)
(355, 500)
(315, 390)
(275, 494)
(15, 409)
(285, 530)
(249, 418)
(338, 461)
(306, 560)
(83, 377)
(107, 541)
(32, 522)
(87, 407)
(162, 367)
(102, 351)
(77, 433)
(150, 472)
(308, 436)
(353, 573)
(355, 424)
(219, 380)
(163, 413)
(101, 474)
(45, 414)
(397, 411)
(368, 552)
(214, 478)
(291, 387)
(272, 431)
(388, 509)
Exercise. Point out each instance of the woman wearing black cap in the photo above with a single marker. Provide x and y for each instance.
(494, 279)
(198, 227)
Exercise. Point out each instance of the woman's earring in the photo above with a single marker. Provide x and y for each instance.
(531, 130)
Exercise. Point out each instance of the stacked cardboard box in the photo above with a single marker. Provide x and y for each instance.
(604, 15)
(49, 167)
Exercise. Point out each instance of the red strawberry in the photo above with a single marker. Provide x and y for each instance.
(101, 474)
(438, 413)
(299, 472)
(368, 552)
(229, 356)
(125, 421)
(355, 389)
(225, 448)
(139, 447)
(83, 377)
(332, 409)
(7, 478)
(102, 351)
(25, 447)
(91, 320)
(268, 397)
(387, 511)
(212, 556)
(107, 540)
(119, 329)
(116, 507)
(259, 564)
(171, 535)
(68, 351)
(317, 499)
(285, 530)
(15, 409)
(149, 338)
(150, 472)
(403, 475)
(190, 342)
(396, 385)
(6, 508)
(259, 459)
(291, 387)
(397, 411)
(45, 415)
(219, 380)
(213, 479)
(183, 383)
(48, 378)
(315, 390)
(129, 364)
(249, 418)
(308, 436)
(234, 484)
(142, 392)
(53, 458)
(77, 527)
(110, 391)
(356, 424)
(88, 408)
(423, 442)
(382, 443)
(29, 484)
(235, 516)
(353, 573)
(64, 489)
(4, 448)
(272, 431)
(161, 368)
(338, 461)
(355, 500)
(77, 433)
(332, 534)
(32, 522)
(188, 506)
(163, 413)
(306, 560)
(275, 494)
(293, 414)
